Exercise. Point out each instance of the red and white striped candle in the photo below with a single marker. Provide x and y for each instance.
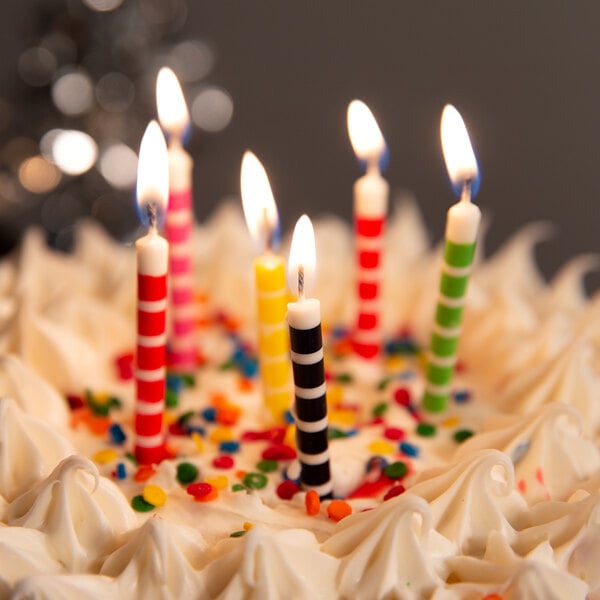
(371, 193)
(152, 252)
(174, 118)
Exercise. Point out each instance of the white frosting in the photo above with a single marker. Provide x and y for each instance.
(29, 449)
(80, 512)
(66, 587)
(158, 561)
(391, 551)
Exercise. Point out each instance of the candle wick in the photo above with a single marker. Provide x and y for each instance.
(466, 191)
(301, 281)
(151, 210)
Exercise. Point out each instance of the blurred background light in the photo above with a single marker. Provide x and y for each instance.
(212, 109)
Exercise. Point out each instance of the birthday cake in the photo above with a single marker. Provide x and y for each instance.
(497, 496)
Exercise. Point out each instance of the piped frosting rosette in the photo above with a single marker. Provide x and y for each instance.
(550, 454)
(472, 497)
(80, 512)
(390, 551)
(158, 561)
(29, 450)
(269, 564)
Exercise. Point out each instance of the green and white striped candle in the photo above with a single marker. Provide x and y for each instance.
(462, 225)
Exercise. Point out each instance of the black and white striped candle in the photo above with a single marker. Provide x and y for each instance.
(310, 408)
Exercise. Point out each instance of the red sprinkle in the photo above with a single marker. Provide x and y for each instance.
(223, 462)
(286, 490)
(522, 485)
(377, 421)
(279, 452)
(199, 489)
(75, 401)
(275, 434)
(124, 364)
(539, 475)
(393, 433)
(394, 491)
(372, 489)
(402, 396)
(177, 429)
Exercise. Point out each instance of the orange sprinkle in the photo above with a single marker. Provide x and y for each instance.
(522, 486)
(231, 323)
(203, 321)
(539, 475)
(493, 597)
(240, 474)
(144, 473)
(245, 385)
(338, 509)
(201, 296)
(218, 399)
(312, 503)
(212, 495)
(228, 414)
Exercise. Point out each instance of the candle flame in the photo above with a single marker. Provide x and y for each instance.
(153, 170)
(259, 205)
(365, 136)
(170, 103)
(303, 257)
(456, 146)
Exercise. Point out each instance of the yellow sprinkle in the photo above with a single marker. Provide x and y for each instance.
(221, 434)
(248, 526)
(198, 441)
(218, 481)
(154, 494)
(381, 447)
(101, 397)
(451, 422)
(169, 417)
(290, 436)
(335, 394)
(104, 457)
(396, 363)
(342, 417)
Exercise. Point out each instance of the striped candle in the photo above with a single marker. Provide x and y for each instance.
(371, 193)
(261, 215)
(310, 407)
(461, 234)
(152, 253)
(174, 118)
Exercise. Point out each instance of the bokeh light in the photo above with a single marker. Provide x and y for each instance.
(118, 165)
(192, 60)
(72, 93)
(115, 92)
(38, 175)
(74, 152)
(212, 109)
(36, 66)
(103, 5)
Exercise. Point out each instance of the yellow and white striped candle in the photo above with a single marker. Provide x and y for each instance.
(461, 235)
(270, 280)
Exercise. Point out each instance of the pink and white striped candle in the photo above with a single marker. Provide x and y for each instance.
(371, 193)
(152, 252)
(174, 117)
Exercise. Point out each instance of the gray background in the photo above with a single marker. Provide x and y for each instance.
(524, 74)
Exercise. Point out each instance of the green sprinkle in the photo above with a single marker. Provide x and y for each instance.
(131, 457)
(344, 378)
(255, 481)
(185, 417)
(227, 365)
(383, 384)
(380, 409)
(236, 534)
(333, 433)
(267, 466)
(189, 381)
(396, 470)
(140, 505)
(186, 472)
(426, 429)
(238, 487)
(171, 398)
(461, 435)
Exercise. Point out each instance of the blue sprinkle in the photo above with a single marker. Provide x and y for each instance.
(409, 449)
(174, 383)
(288, 417)
(339, 332)
(519, 452)
(406, 375)
(351, 432)
(376, 463)
(462, 396)
(117, 435)
(249, 367)
(196, 429)
(121, 472)
(209, 414)
(238, 355)
(229, 446)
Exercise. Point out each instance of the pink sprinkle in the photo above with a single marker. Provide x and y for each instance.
(522, 486)
(286, 490)
(393, 433)
(539, 475)
(223, 462)
(402, 396)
